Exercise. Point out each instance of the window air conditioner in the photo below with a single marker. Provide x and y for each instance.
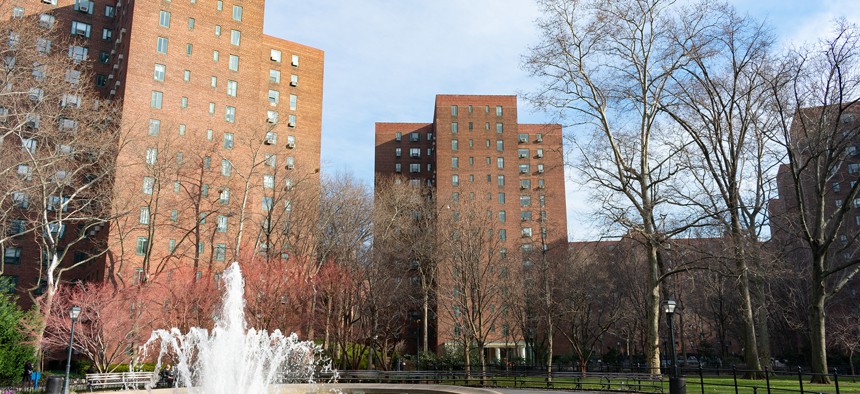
(293, 83)
(523, 156)
(291, 124)
(523, 140)
(291, 145)
(540, 170)
(291, 166)
(84, 7)
(540, 155)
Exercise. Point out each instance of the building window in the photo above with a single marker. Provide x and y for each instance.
(294, 61)
(159, 72)
(275, 55)
(274, 96)
(189, 49)
(151, 156)
(500, 162)
(218, 30)
(226, 167)
(455, 145)
(234, 63)
(144, 215)
(503, 216)
(164, 19)
(503, 234)
(190, 23)
(501, 198)
(81, 29)
(415, 152)
(107, 34)
(12, 255)
(454, 127)
(228, 140)
(398, 167)
(216, 56)
(455, 180)
(230, 114)
(397, 152)
(220, 253)
(294, 80)
(237, 13)
(110, 11)
(455, 162)
(500, 180)
(155, 100)
(525, 200)
(398, 136)
(524, 169)
(224, 196)
(235, 37)
(414, 137)
(454, 110)
(141, 246)
(148, 184)
(232, 88)
(293, 102)
(498, 110)
(523, 153)
(221, 224)
(267, 204)
(274, 76)
(161, 45)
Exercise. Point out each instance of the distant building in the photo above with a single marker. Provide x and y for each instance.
(476, 150)
(219, 120)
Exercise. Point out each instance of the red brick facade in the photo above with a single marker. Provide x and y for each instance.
(476, 143)
(219, 121)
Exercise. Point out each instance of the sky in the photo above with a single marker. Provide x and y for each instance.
(386, 60)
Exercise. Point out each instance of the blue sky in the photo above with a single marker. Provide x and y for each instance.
(387, 59)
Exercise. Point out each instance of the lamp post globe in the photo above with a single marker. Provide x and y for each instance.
(74, 313)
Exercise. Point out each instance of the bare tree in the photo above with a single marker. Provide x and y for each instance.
(816, 95)
(474, 270)
(722, 101)
(404, 232)
(608, 65)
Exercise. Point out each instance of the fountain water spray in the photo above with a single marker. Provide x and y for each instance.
(234, 359)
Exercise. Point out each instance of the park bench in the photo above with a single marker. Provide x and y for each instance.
(608, 381)
(125, 380)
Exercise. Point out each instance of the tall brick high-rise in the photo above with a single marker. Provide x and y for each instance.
(221, 129)
(475, 150)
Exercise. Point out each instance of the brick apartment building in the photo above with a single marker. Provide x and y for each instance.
(221, 130)
(474, 148)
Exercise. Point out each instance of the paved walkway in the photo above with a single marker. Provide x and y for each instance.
(536, 391)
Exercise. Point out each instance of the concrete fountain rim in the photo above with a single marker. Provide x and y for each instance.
(355, 388)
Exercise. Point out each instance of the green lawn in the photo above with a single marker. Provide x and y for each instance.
(713, 385)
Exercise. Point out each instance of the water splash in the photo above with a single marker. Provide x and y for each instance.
(234, 359)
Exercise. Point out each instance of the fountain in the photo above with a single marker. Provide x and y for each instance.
(234, 359)
(237, 360)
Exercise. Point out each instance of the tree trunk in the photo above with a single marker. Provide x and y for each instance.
(745, 299)
(652, 314)
(424, 322)
(818, 344)
(467, 357)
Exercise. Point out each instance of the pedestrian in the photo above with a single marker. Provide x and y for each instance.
(28, 370)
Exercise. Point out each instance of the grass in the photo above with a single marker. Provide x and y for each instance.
(713, 385)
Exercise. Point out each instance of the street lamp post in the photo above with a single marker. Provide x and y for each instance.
(73, 313)
(677, 384)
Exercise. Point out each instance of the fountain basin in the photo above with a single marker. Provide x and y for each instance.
(349, 388)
